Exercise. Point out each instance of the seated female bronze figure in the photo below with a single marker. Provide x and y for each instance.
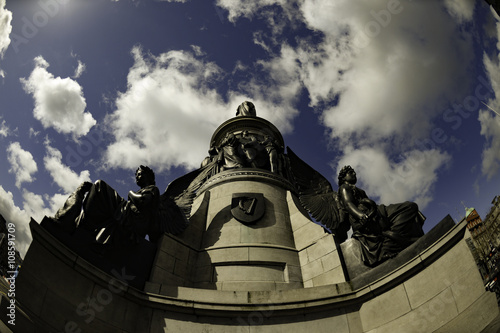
(383, 231)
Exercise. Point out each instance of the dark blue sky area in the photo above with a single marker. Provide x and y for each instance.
(406, 108)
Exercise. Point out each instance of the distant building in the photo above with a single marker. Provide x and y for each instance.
(492, 221)
(478, 232)
(485, 237)
(481, 263)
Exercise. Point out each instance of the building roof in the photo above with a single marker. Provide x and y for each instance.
(468, 211)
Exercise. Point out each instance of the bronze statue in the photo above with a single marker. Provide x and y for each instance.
(246, 109)
(228, 155)
(245, 148)
(272, 146)
(108, 217)
(105, 214)
(250, 147)
(383, 231)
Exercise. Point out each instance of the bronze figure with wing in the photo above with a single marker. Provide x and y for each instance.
(108, 217)
(382, 230)
(175, 204)
(318, 197)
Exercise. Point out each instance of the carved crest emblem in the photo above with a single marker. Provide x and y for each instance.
(248, 208)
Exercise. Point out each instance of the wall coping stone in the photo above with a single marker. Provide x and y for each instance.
(287, 302)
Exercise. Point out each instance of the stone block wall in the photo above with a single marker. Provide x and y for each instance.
(447, 296)
(318, 255)
(174, 263)
(217, 251)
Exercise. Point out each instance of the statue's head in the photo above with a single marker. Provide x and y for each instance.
(246, 109)
(343, 173)
(144, 176)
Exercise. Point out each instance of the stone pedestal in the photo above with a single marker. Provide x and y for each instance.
(282, 250)
(438, 290)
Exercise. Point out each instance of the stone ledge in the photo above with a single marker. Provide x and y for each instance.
(305, 300)
(246, 245)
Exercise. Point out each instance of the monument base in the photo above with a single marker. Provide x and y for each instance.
(438, 290)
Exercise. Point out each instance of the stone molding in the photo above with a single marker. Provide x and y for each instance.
(246, 174)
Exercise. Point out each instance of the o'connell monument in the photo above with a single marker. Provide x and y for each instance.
(255, 240)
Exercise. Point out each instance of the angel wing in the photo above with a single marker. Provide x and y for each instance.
(175, 204)
(318, 197)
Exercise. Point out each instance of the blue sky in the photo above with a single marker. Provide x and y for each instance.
(398, 89)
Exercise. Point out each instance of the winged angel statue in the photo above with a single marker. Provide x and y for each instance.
(110, 218)
(382, 230)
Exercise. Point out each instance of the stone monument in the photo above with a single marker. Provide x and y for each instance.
(255, 240)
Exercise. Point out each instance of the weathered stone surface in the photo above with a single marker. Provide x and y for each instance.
(475, 318)
(307, 234)
(452, 269)
(384, 308)
(249, 272)
(273, 254)
(335, 275)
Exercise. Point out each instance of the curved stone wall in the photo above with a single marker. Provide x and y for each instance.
(437, 291)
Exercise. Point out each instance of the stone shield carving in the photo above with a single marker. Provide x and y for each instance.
(248, 208)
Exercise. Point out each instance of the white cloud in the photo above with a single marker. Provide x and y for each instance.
(198, 51)
(34, 206)
(5, 30)
(33, 132)
(20, 218)
(79, 70)
(275, 90)
(376, 76)
(490, 128)
(410, 177)
(462, 10)
(249, 9)
(171, 103)
(63, 176)
(182, 1)
(490, 122)
(4, 129)
(59, 103)
(377, 73)
(23, 166)
(387, 69)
